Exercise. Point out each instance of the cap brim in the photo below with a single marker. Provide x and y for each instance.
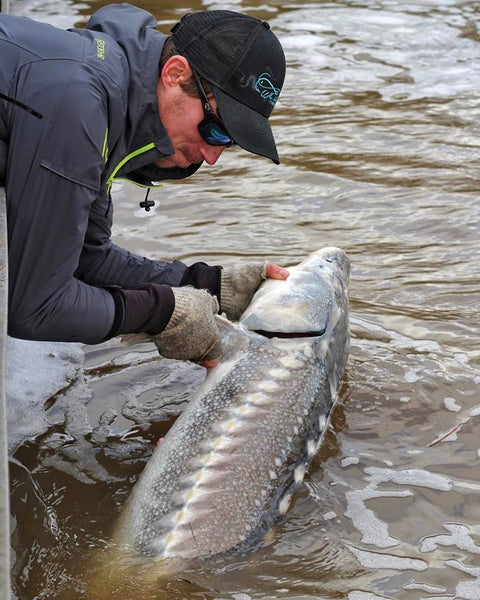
(248, 128)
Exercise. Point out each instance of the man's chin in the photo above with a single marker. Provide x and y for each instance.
(176, 160)
(166, 163)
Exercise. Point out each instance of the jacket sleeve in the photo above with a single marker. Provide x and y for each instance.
(103, 263)
(54, 170)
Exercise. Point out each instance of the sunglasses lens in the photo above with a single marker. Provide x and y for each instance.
(214, 134)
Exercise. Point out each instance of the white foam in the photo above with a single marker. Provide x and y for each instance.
(349, 460)
(376, 560)
(300, 42)
(461, 358)
(328, 516)
(415, 477)
(360, 595)
(451, 404)
(425, 587)
(459, 537)
(468, 590)
(450, 437)
(373, 530)
(412, 376)
(466, 485)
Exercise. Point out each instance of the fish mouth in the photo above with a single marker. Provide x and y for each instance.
(290, 334)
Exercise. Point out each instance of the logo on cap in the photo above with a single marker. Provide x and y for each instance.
(266, 89)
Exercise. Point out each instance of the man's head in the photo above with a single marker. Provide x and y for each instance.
(241, 61)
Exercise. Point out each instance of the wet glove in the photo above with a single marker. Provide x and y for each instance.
(191, 333)
(183, 316)
(238, 285)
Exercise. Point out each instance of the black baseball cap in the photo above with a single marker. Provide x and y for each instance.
(244, 62)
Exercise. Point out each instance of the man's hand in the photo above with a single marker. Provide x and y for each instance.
(191, 333)
(275, 272)
(240, 282)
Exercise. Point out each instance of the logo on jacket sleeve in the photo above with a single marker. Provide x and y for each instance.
(100, 48)
(266, 89)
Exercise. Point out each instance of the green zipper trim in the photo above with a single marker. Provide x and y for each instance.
(105, 146)
(140, 185)
(125, 160)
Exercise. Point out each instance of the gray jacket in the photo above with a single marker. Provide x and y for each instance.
(96, 91)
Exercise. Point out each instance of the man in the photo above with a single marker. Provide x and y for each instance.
(119, 99)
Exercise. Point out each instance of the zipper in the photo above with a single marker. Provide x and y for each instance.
(146, 203)
(125, 160)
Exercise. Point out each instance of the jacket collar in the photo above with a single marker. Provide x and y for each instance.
(134, 30)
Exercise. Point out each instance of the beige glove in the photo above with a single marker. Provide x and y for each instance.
(191, 333)
(237, 286)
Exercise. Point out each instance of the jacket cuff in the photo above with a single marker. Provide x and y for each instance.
(203, 277)
(119, 312)
(147, 309)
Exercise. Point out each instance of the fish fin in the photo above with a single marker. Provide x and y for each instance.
(224, 325)
(234, 337)
(228, 328)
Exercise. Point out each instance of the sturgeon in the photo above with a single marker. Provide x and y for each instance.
(227, 468)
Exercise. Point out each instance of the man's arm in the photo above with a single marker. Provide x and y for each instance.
(53, 174)
(61, 255)
(104, 263)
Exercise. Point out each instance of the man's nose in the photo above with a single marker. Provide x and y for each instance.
(211, 153)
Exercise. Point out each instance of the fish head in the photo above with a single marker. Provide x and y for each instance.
(311, 303)
(302, 303)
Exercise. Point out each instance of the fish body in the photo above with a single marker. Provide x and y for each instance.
(228, 467)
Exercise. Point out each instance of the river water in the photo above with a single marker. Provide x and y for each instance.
(377, 129)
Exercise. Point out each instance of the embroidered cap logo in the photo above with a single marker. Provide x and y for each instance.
(266, 89)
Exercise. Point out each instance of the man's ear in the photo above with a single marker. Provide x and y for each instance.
(176, 71)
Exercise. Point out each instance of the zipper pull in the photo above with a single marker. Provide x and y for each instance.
(147, 204)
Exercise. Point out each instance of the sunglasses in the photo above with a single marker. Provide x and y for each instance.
(210, 127)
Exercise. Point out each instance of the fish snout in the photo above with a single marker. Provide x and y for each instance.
(338, 257)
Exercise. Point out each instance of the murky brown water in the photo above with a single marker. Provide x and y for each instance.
(379, 136)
